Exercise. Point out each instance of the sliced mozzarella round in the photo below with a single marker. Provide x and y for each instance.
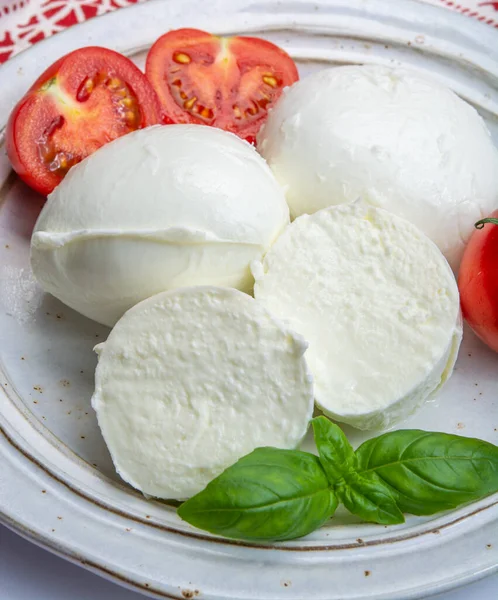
(391, 136)
(158, 209)
(191, 380)
(378, 304)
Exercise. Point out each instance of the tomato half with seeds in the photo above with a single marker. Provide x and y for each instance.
(226, 82)
(478, 281)
(84, 100)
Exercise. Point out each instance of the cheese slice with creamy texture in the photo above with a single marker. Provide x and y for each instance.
(191, 380)
(157, 209)
(378, 304)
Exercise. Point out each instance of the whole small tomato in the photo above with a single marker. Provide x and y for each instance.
(478, 281)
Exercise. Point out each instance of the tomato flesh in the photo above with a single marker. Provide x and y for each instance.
(83, 101)
(478, 283)
(228, 83)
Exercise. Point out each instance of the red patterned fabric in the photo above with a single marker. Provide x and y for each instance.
(25, 22)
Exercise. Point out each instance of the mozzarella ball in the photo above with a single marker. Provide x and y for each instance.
(191, 380)
(157, 209)
(391, 137)
(377, 303)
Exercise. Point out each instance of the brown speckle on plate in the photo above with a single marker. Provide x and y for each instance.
(82, 437)
(22, 358)
(286, 583)
(60, 518)
(128, 529)
(367, 573)
(460, 425)
(488, 546)
(65, 382)
(38, 388)
(190, 593)
(360, 541)
(44, 491)
(59, 316)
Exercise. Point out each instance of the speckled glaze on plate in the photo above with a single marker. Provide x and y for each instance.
(58, 487)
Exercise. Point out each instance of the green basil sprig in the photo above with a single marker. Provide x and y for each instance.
(276, 495)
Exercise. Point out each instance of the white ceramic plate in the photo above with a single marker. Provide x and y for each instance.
(58, 486)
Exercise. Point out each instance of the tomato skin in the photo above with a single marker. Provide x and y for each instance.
(53, 113)
(478, 283)
(228, 83)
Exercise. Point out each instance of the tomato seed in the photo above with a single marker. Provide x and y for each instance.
(182, 58)
(189, 103)
(270, 80)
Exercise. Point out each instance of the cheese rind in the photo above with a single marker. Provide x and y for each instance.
(191, 380)
(376, 301)
(158, 209)
(391, 137)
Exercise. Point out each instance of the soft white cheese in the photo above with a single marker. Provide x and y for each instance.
(191, 380)
(391, 137)
(157, 209)
(378, 304)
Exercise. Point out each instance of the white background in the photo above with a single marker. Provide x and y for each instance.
(30, 573)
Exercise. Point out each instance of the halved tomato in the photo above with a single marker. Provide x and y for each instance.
(84, 100)
(478, 281)
(226, 82)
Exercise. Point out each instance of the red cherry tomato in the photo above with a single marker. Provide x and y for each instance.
(225, 82)
(84, 100)
(478, 281)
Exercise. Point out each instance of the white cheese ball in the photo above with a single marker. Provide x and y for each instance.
(391, 137)
(191, 380)
(157, 209)
(378, 304)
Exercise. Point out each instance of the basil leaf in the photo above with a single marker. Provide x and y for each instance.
(270, 494)
(368, 498)
(336, 453)
(428, 472)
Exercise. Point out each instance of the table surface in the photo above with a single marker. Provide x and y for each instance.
(28, 572)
